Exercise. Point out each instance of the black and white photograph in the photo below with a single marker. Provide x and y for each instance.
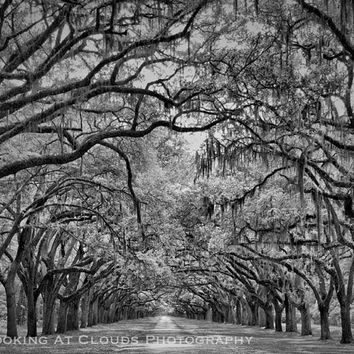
(176, 176)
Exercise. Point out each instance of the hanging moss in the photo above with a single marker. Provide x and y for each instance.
(197, 160)
(318, 110)
(320, 48)
(256, 113)
(326, 4)
(222, 209)
(188, 46)
(300, 178)
(343, 15)
(202, 166)
(159, 13)
(256, 7)
(317, 198)
(233, 210)
(223, 166)
(235, 3)
(218, 148)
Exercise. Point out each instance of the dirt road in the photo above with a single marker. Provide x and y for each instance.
(172, 335)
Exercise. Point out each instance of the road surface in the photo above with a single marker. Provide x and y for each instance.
(166, 334)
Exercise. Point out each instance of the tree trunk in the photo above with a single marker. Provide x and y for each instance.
(9, 284)
(125, 314)
(62, 317)
(230, 317)
(238, 312)
(48, 313)
(253, 313)
(93, 312)
(21, 307)
(261, 317)
(72, 318)
(104, 313)
(31, 311)
(325, 331)
(101, 313)
(290, 316)
(84, 311)
(269, 317)
(209, 316)
(246, 313)
(112, 310)
(11, 307)
(278, 315)
(305, 319)
(347, 336)
(218, 316)
(90, 313)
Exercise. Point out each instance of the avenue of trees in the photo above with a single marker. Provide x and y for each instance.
(104, 212)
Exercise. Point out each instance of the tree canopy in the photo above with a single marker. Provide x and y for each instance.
(105, 213)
